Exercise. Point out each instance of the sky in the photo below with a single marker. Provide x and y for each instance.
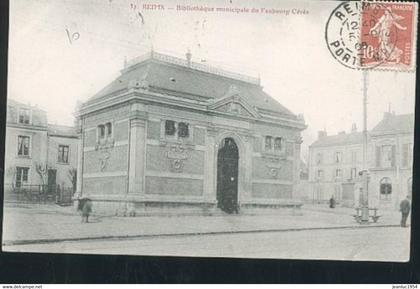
(62, 52)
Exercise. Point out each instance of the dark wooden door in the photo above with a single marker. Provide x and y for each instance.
(227, 176)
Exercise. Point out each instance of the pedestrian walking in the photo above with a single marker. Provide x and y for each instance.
(332, 202)
(85, 207)
(405, 207)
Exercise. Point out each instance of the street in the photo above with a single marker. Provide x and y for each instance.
(374, 244)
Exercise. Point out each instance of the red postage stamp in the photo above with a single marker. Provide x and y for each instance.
(388, 33)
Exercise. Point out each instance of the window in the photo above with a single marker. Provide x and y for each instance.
(63, 154)
(23, 145)
(268, 143)
(319, 158)
(387, 156)
(338, 173)
(320, 174)
(170, 127)
(21, 176)
(108, 129)
(338, 157)
(407, 154)
(24, 115)
(353, 172)
(385, 189)
(278, 143)
(101, 131)
(183, 129)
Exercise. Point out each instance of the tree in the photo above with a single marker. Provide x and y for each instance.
(42, 171)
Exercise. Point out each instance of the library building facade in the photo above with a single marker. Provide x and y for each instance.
(170, 135)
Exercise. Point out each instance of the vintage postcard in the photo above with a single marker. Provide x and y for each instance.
(250, 129)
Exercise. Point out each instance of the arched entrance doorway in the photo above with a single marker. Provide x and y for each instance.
(227, 176)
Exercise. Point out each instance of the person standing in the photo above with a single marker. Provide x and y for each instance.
(85, 206)
(405, 207)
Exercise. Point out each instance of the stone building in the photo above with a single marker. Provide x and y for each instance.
(171, 135)
(335, 162)
(31, 142)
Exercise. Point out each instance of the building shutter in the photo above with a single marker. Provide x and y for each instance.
(378, 157)
(405, 155)
(393, 156)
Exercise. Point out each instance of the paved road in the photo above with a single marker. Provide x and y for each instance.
(378, 244)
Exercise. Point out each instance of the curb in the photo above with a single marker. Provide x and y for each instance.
(57, 240)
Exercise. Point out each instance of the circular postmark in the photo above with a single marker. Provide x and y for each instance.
(360, 35)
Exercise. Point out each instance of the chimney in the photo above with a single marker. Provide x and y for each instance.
(189, 56)
(353, 128)
(322, 134)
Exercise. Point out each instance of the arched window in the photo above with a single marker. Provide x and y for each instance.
(385, 187)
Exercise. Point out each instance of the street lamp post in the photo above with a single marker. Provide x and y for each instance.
(365, 172)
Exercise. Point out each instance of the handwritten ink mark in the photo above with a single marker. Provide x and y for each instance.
(142, 18)
(73, 37)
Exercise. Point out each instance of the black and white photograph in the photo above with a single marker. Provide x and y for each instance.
(229, 129)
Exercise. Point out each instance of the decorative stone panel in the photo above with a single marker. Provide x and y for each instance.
(173, 186)
(257, 144)
(153, 130)
(272, 168)
(121, 131)
(174, 158)
(199, 136)
(289, 148)
(105, 185)
(106, 160)
(90, 138)
(272, 191)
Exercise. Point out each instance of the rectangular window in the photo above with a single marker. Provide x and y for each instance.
(320, 174)
(353, 172)
(109, 129)
(268, 143)
(387, 159)
(278, 143)
(407, 154)
(63, 154)
(23, 145)
(183, 130)
(319, 158)
(21, 176)
(169, 127)
(24, 115)
(338, 157)
(338, 173)
(101, 131)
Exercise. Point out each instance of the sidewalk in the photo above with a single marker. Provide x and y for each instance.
(49, 223)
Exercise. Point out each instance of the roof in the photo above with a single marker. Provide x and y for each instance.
(167, 74)
(62, 130)
(391, 123)
(339, 139)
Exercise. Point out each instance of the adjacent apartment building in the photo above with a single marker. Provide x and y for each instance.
(335, 162)
(171, 135)
(37, 153)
